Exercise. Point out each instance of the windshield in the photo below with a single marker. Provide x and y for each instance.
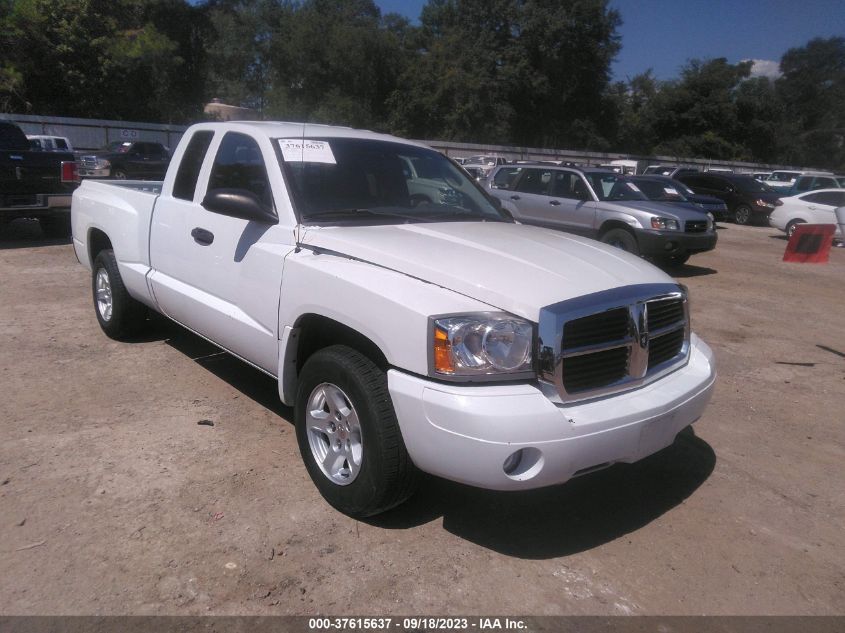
(783, 176)
(611, 187)
(747, 183)
(661, 191)
(364, 180)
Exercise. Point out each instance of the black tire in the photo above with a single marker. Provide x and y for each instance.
(742, 214)
(387, 477)
(55, 226)
(128, 317)
(118, 174)
(620, 238)
(790, 228)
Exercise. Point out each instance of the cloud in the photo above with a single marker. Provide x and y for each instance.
(764, 68)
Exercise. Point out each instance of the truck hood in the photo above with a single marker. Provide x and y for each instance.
(512, 267)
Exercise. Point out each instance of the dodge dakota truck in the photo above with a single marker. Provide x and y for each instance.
(35, 184)
(409, 336)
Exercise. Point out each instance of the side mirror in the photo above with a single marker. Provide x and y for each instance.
(238, 203)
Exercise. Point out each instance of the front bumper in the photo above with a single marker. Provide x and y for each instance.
(654, 243)
(465, 433)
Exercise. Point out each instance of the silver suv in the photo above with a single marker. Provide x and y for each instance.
(603, 205)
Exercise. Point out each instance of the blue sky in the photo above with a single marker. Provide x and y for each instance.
(664, 34)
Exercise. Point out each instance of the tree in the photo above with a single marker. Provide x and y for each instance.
(812, 89)
(97, 58)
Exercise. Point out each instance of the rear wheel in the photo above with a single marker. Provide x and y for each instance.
(119, 315)
(790, 228)
(348, 434)
(622, 239)
(742, 214)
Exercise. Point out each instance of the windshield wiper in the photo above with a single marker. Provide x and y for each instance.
(353, 211)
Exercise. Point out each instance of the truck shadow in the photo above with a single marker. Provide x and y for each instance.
(582, 514)
(246, 379)
(689, 270)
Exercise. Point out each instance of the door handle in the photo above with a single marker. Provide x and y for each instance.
(514, 197)
(201, 236)
(554, 203)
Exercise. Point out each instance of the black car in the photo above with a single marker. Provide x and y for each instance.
(134, 160)
(665, 189)
(748, 200)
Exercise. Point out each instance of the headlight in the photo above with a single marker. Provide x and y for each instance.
(481, 344)
(764, 203)
(101, 163)
(665, 224)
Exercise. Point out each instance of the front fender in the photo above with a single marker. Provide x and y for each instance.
(389, 308)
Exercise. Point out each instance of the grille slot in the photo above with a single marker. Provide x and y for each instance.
(665, 313)
(665, 347)
(592, 371)
(604, 327)
(695, 226)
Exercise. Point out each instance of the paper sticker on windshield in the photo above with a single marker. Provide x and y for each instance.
(298, 150)
(671, 191)
(633, 186)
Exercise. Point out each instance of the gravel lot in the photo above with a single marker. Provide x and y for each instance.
(114, 500)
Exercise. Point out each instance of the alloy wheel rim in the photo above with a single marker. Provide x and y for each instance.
(104, 296)
(334, 434)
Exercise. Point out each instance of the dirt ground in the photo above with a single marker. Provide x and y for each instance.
(113, 500)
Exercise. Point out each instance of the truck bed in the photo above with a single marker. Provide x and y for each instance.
(123, 211)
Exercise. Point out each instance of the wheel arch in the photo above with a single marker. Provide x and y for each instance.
(609, 225)
(98, 241)
(312, 332)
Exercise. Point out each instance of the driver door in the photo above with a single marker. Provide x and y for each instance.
(216, 274)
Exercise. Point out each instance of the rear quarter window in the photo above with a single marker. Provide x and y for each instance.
(185, 185)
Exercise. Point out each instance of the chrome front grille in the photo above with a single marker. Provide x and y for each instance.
(613, 341)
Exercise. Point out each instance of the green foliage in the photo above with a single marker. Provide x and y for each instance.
(522, 72)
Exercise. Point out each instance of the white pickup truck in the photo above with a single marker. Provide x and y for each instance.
(436, 336)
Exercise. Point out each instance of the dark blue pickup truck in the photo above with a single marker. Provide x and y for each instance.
(35, 184)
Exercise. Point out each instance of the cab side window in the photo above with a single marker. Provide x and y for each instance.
(185, 184)
(240, 165)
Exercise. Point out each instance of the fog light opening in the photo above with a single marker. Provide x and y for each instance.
(670, 246)
(523, 464)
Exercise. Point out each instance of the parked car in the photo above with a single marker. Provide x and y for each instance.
(49, 143)
(748, 200)
(668, 170)
(484, 164)
(609, 207)
(782, 179)
(810, 181)
(665, 189)
(134, 160)
(440, 337)
(35, 183)
(814, 207)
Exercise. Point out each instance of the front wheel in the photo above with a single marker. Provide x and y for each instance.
(742, 214)
(348, 434)
(119, 315)
(792, 226)
(622, 239)
(118, 174)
